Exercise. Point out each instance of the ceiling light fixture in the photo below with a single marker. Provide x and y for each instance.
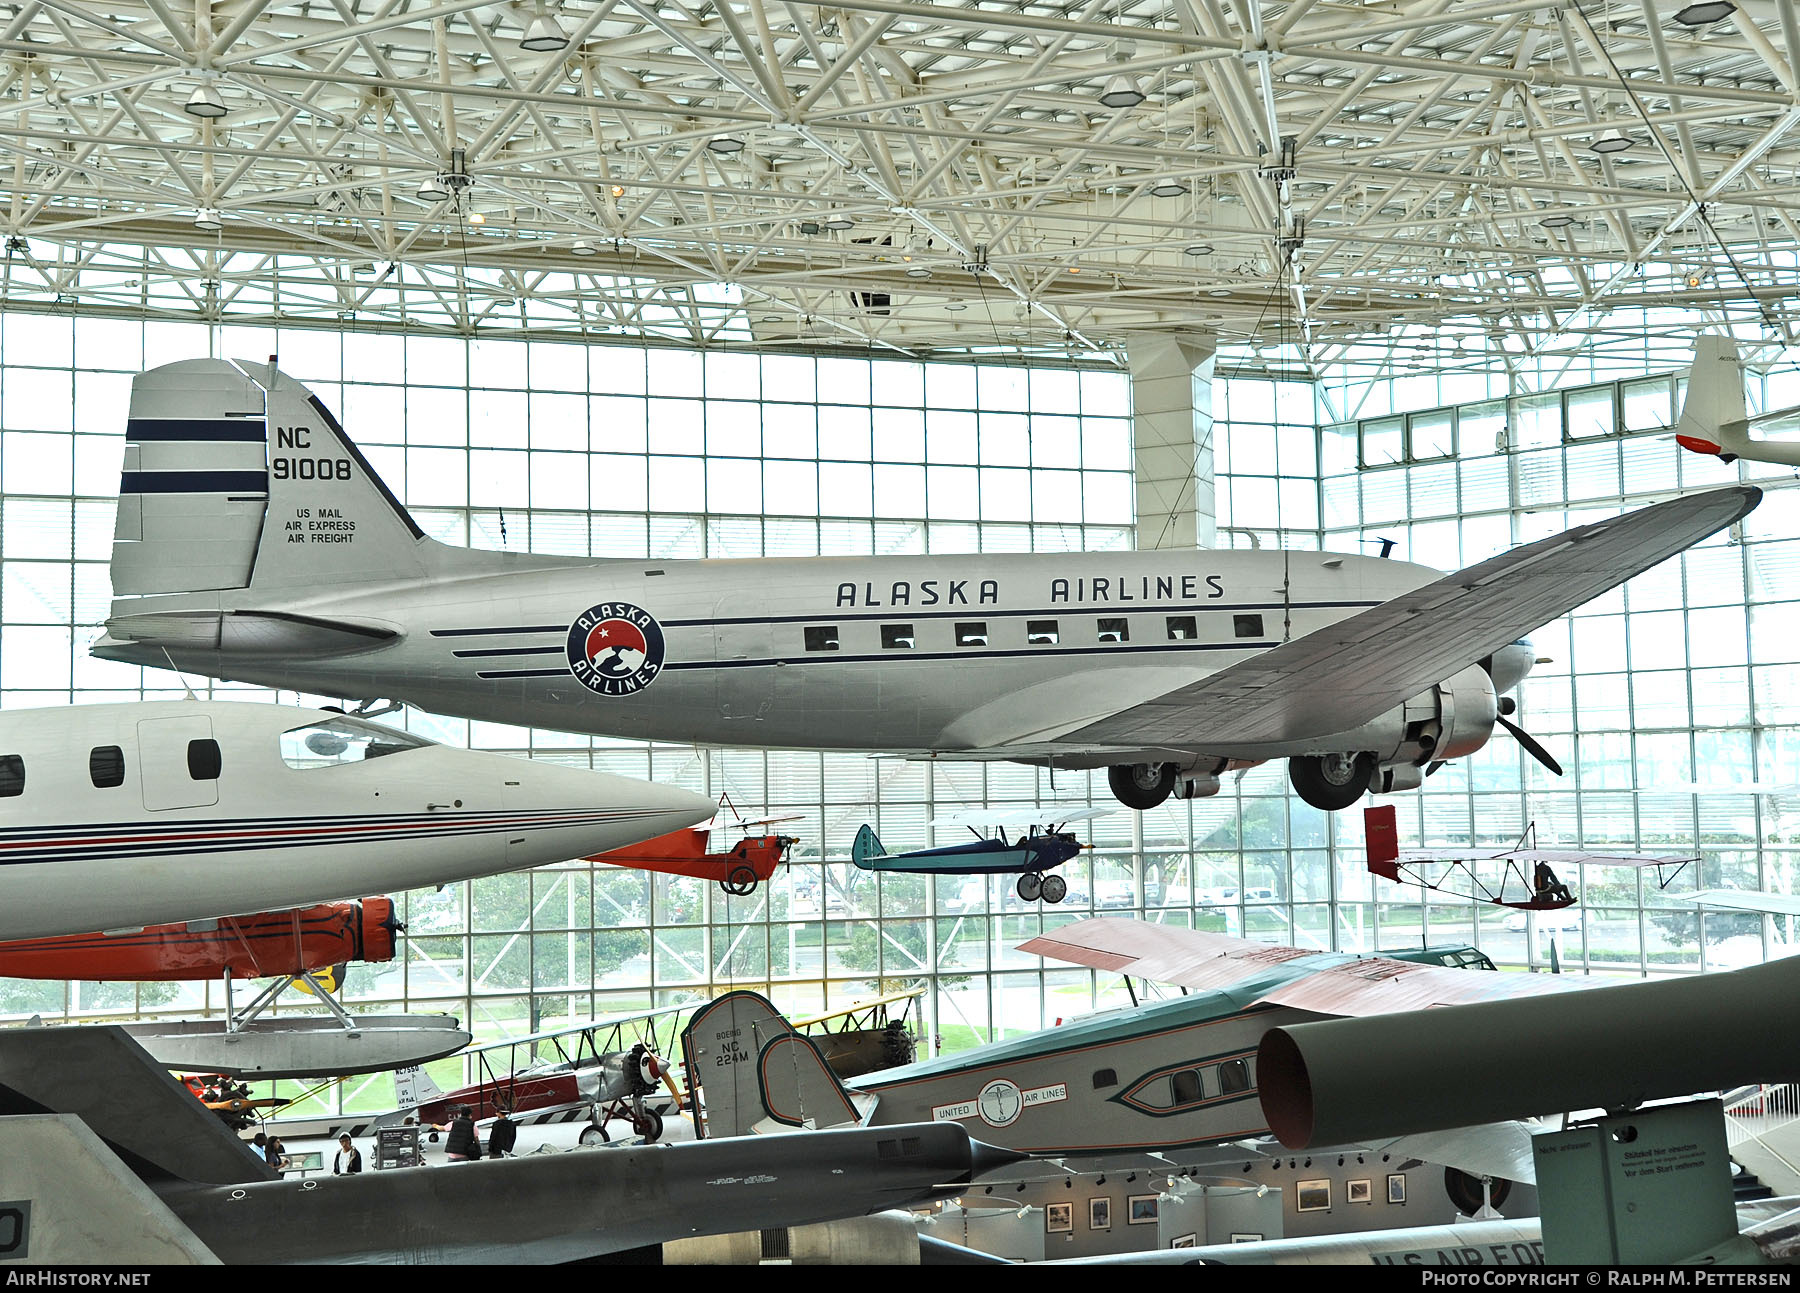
(544, 34)
(1168, 189)
(1198, 249)
(956, 306)
(618, 190)
(1121, 92)
(1219, 291)
(207, 220)
(205, 102)
(725, 145)
(918, 271)
(1707, 11)
(1610, 140)
(475, 217)
(1557, 220)
(840, 223)
(581, 247)
(433, 190)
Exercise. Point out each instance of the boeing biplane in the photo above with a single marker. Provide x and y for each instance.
(1041, 844)
(1522, 877)
(738, 869)
(601, 1071)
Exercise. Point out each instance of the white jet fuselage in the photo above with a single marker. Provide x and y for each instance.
(950, 655)
(117, 816)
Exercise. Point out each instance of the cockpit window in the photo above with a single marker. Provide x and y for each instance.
(333, 741)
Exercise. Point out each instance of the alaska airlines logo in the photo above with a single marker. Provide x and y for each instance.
(615, 648)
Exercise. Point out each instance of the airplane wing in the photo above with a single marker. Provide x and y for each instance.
(1048, 814)
(1341, 676)
(1554, 857)
(1370, 985)
(1774, 904)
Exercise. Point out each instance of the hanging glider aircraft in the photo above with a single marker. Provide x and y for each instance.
(1150, 1078)
(1713, 420)
(1042, 844)
(1522, 876)
(254, 542)
(129, 815)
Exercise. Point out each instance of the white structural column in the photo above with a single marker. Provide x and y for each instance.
(1172, 445)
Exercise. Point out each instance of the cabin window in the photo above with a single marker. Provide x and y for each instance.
(1182, 628)
(1115, 630)
(973, 633)
(1040, 632)
(897, 637)
(336, 741)
(12, 775)
(821, 637)
(1104, 1078)
(1247, 626)
(204, 760)
(1186, 1086)
(106, 766)
(1234, 1076)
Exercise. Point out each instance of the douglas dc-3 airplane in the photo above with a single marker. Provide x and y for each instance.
(254, 542)
(119, 816)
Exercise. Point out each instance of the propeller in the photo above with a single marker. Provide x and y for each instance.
(1531, 745)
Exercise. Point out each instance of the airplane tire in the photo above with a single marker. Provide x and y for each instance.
(651, 1128)
(1031, 886)
(1331, 782)
(1465, 1190)
(1055, 888)
(1141, 785)
(740, 883)
(594, 1134)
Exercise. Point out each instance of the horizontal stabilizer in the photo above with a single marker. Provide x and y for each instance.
(274, 633)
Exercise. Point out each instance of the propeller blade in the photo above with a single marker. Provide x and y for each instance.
(1532, 748)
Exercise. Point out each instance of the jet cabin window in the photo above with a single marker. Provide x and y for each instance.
(1182, 628)
(1246, 626)
(897, 637)
(1040, 632)
(106, 766)
(821, 637)
(204, 760)
(1115, 630)
(973, 633)
(12, 775)
(342, 740)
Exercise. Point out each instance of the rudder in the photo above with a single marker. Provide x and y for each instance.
(1712, 412)
(728, 1045)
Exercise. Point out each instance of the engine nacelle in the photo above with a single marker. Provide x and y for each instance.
(1405, 776)
(1450, 721)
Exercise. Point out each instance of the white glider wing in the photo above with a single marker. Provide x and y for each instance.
(1774, 904)
(1339, 677)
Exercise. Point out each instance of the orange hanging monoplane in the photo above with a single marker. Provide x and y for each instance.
(739, 869)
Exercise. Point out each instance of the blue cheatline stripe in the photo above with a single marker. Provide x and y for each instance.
(194, 482)
(492, 651)
(505, 628)
(523, 673)
(235, 430)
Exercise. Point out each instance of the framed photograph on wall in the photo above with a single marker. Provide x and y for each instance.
(1182, 1241)
(1313, 1196)
(1358, 1192)
(1397, 1187)
(1059, 1218)
(1246, 1237)
(1100, 1214)
(1142, 1209)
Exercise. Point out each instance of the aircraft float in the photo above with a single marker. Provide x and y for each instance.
(121, 816)
(1042, 844)
(253, 542)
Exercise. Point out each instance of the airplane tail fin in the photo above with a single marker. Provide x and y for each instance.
(237, 476)
(1382, 835)
(413, 1087)
(1712, 413)
(754, 1069)
(866, 848)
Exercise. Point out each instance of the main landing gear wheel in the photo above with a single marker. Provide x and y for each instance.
(1031, 886)
(740, 883)
(1331, 782)
(1055, 888)
(595, 1134)
(1465, 1191)
(650, 1126)
(1141, 785)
